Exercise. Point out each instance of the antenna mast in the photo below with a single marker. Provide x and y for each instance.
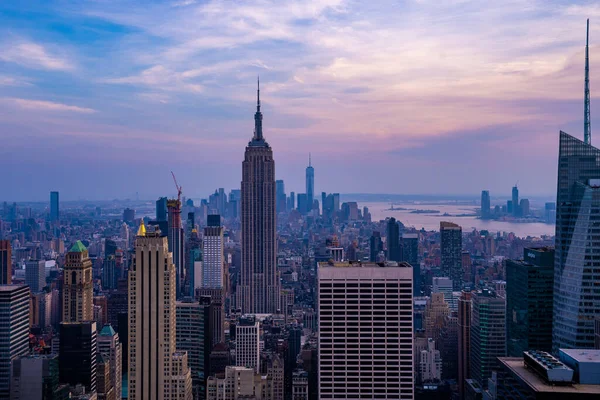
(587, 126)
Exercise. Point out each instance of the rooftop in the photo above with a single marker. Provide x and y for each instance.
(360, 264)
(538, 384)
(78, 247)
(10, 288)
(583, 355)
(107, 330)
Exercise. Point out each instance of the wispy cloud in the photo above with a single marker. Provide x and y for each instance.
(42, 105)
(12, 81)
(33, 55)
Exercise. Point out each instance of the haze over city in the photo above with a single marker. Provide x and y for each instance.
(101, 99)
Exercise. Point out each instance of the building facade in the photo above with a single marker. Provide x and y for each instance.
(365, 331)
(78, 290)
(213, 257)
(77, 355)
(451, 249)
(247, 343)
(35, 275)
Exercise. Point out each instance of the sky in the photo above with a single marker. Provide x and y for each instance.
(102, 99)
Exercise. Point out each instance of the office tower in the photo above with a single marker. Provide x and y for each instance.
(40, 314)
(155, 366)
(509, 206)
(376, 246)
(5, 262)
(259, 286)
(310, 184)
(451, 248)
(524, 207)
(410, 254)
(280, 196)
(434, 317)
(104, 388)
(442, 284)
(77, 354)
(529, 288)
(302, 203)
(176, 242)
(193, 335)
(14, 330)
(194, 262)
(365, 331)
(430, 363)
(291, 205)
(111, 349)
(515, 200)
(161, 209)
(488, 335)
(35, 275)
(213, 257)
(247, 343)
(109, 272)
(464, 340)
(128, 215)
(485, 204)
(215, 297)
(393, 240)
(78, 291)
(35, 377)
(54, 207)
(587, 126)
(575, 270)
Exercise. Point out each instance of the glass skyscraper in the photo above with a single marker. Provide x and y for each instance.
(577, 253)
(310, 185)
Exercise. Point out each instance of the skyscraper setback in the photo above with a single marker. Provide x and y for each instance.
(259, 289)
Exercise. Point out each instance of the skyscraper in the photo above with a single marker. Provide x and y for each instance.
(35, 275)
(155, 367)
(111, 349)
(54, 207)
(78, 290)
(529, 288)
(375, 246)
(410, 254)
(365, 331)
(280, 195)
(247, 343)
(488, 336)
(77, 355)
(464, 340)
(485, 204)
(259, 288)
(394, 252)
(14, 330)
(310, 185)
(575, 268)
(213, 257)
(5, 262)
(515, 200)
(161, 209)
(451, 248)
(587, 125)
(176, 242)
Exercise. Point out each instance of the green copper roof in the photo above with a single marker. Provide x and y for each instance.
(107, 330)
(78, 247)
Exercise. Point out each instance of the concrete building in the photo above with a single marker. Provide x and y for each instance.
(430, 363)
(111, 349)
(156, 369)
(35, 275)
(247, 343)
(40, 314)
(35, 377)
(213, 258)
(14, 330)
(259, 286)
(444, 285)
(78, 290)
(300, 385)
(451, 249)
(365, 330)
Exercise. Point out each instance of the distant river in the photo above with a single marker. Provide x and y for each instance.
(431, 222)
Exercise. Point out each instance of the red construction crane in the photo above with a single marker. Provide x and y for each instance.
(179, 188)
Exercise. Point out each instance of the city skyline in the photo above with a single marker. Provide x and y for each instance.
(165, 89)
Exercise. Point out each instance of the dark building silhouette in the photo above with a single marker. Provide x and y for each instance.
(14, 330)
(128, 215)
(485, 204)
(529, 289)
(161, 209)
(54, 207)
(77, 355)
(410, 254)
(310, 185)
(5, 262)
(451, 248)
(280, 196)
(393, 240)
(515, 201)
(376, 246)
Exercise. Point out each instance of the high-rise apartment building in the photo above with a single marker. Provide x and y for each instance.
(175, 236)
(78, 290)
(451, 248)
(488, 334)
(5, 262)
(485, 205)
(35, 275)
(259, 287)
(247, 343)
(77, 355)
(310, 185)
(464, 340)
(155, 367)
(394, 252)
(111, 349)
(529, 288)
(54, 207)
(213, 257)
(576, 269)
(365, 331)
(14, 330)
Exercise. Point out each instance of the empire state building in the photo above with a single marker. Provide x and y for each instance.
(259, 289)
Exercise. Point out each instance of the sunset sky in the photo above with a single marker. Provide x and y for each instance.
(102, 99)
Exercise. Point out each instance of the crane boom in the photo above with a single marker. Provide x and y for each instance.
(179, 188)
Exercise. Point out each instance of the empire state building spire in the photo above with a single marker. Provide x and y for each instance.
(587, 126)
(258, 134)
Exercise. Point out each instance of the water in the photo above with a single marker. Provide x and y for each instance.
(431, 222)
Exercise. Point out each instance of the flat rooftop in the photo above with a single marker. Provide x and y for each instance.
(361, 264)
(534, 381)
(9, 288)
(583, 355)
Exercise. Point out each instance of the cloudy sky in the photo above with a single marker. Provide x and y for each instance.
(102, 99)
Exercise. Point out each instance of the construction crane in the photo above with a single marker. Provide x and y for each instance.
(179, 188)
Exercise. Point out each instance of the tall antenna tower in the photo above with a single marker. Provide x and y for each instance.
(587, 125)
